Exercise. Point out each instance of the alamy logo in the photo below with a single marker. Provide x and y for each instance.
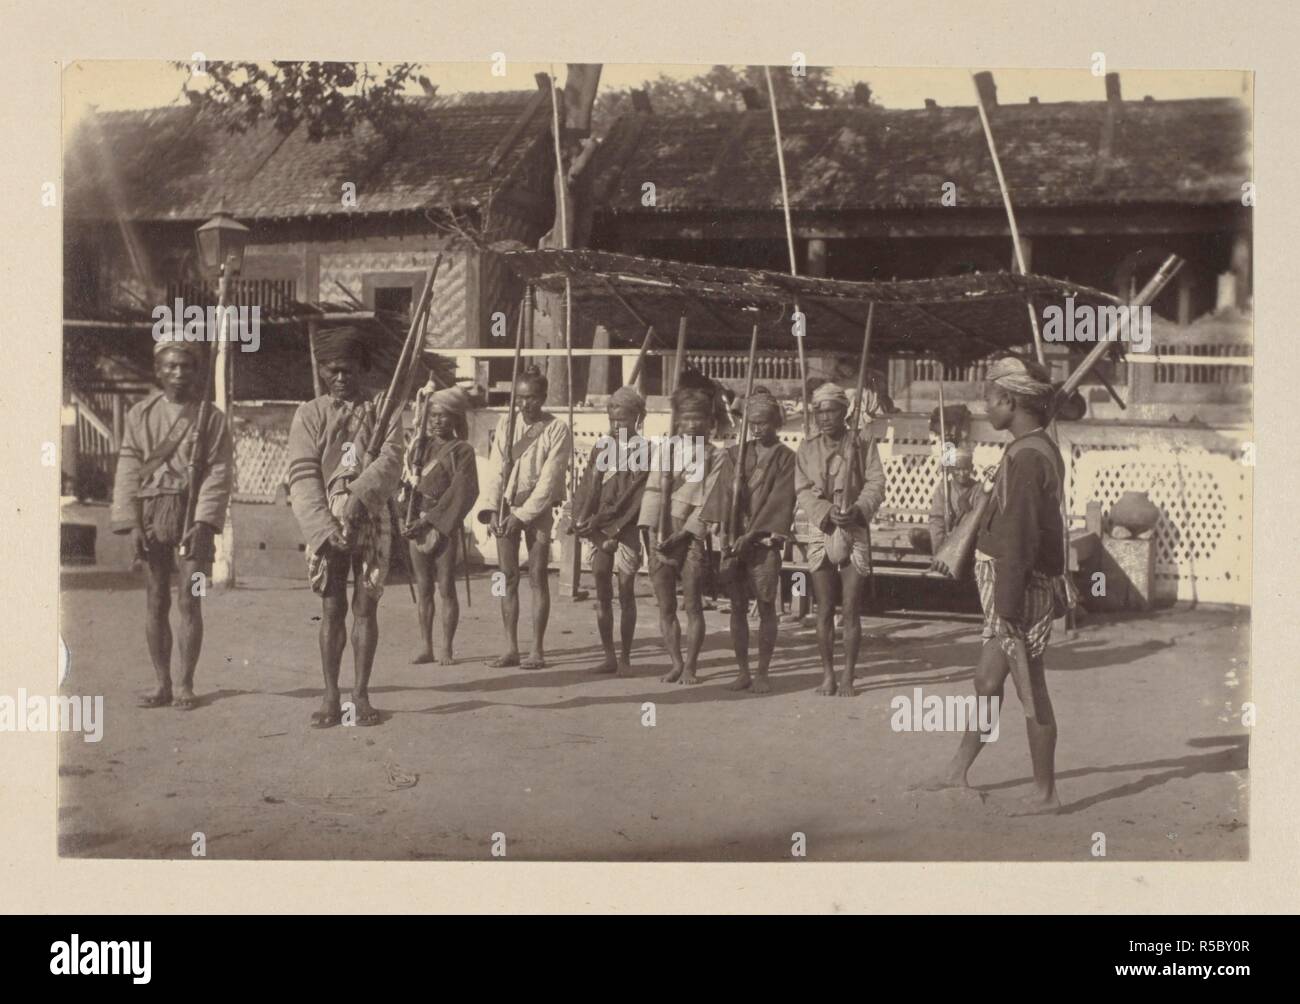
(643, 453)
(75, 957)
(175, 322)
(39, 713)
(1086, 323)
(954, 713)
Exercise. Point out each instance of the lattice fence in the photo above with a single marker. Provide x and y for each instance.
(261, 462)
(1195, 476)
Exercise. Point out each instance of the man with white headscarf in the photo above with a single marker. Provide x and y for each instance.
(150, 489)
(440, 486)
(839, 485)
(1018, 560)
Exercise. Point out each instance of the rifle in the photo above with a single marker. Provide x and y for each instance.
(952, 560)
(666, 454)
(400, 384)
(943, 460)
(199, 453)
(731, 519)
(508, 447)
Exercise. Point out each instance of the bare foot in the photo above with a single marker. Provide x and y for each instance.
(846, 688)
(533, 662)
(1033, 805)
(185, 699)
(939, 782)
(505, 661)
(761, 686)
(445, 658)
(827, 689)
(743, 682)
(366, 715)
(672, 676)
(160, 698)
(329, 714)
(421, 657)
(688, 679)
(624, 667)
(610, 665)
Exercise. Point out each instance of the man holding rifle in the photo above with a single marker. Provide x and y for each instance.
(1018, 558)
(529, 460)
(173, 452)
(762, 521)
(840, 483)
(340, 495)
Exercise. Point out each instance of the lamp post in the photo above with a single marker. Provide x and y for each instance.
(221, 242)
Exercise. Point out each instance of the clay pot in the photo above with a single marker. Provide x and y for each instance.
(1135, 512)
(839, 546)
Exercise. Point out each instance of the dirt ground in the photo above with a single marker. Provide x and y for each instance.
(1152, 752)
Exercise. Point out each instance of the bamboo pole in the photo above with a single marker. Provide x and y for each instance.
(1011, 214)
(789, 242)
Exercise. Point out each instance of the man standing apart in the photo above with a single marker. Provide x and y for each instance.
(340, 498)
(1018, 555)
(840, 485)
(540, 453)
(149, 500)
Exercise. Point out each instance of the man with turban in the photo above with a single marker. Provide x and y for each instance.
(1019, 564)
(150, 490)
(340, 497)
(439, 488)
(752, 568)
(607, 507)
(533, 485)
(680, 505)
(840, 483)
(954, 495)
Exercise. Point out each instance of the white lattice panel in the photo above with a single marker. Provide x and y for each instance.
(261, 463)
(1203, 536)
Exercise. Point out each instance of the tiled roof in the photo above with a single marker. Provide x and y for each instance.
(1193, 151)
(171, 164)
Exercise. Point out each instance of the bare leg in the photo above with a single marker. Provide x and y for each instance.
(739, 623)
(823, 581)
(602, 569)
(189, 606)
(626, 620)
(990, 681)
(365, 639)
(422, 567)
(665, 587)
(333, 636)
(508, 560)
(1042, 747)
(767, 621)
(539, 575)
(157, 628)
(852, 583)
(693, 601)
(444, 572)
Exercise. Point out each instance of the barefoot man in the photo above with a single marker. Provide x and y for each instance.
(766, 512)
(840, 511)
(440, 495)
(1018, 554)
(694, 506)
(342, 510)
(149, 498)
(608, 505)
(541, 450)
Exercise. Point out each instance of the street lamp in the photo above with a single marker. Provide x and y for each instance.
(221, 243)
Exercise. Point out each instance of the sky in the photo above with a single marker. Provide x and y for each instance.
(120, 84)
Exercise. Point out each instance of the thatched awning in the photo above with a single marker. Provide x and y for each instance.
(958, 318)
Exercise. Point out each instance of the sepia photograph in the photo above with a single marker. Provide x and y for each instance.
(582, 462)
